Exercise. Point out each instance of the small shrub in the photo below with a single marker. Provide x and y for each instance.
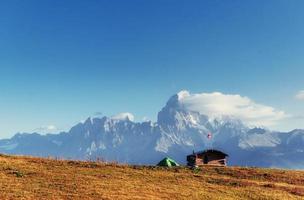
(197, 170)
(18, 174)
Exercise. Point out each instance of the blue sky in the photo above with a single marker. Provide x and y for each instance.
(61, 61)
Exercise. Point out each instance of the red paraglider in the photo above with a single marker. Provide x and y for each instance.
(209, 136)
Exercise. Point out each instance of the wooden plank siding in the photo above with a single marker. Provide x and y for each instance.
(208, 157)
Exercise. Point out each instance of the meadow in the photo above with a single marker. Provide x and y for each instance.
(37, 178)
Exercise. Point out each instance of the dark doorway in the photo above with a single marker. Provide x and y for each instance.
(206, 159)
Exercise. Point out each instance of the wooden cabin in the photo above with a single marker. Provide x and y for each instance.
(207, 157)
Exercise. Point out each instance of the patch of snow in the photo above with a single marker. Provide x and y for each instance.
(259, 140)
(163, 145)
(87, 135)
(102, 146)
(58, 143)
(9, 147)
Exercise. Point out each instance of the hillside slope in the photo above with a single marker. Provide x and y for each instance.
(36, 178)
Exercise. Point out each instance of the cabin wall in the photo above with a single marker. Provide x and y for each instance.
(209, 158)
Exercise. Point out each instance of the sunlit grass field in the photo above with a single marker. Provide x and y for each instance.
(36, 178)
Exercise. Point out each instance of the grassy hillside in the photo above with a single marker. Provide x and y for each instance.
(35, 178)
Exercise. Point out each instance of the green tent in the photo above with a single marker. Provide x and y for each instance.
(167, 162)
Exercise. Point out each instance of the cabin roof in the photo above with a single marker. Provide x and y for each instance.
(210, 151)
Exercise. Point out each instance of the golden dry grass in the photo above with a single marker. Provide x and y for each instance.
(36, 178)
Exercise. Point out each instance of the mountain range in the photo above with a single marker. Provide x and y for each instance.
(177, 133)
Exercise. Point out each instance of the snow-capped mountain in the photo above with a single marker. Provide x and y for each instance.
(177, 132)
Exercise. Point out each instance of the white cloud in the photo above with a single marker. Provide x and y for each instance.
(47, 129)
(145, 119)
(123, 116)
(217, 104)
(300, 95)
(51, 127)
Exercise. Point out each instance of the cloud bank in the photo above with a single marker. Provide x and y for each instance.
(217, 104)
(300, 95)
(47, 129)
(123, 116)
